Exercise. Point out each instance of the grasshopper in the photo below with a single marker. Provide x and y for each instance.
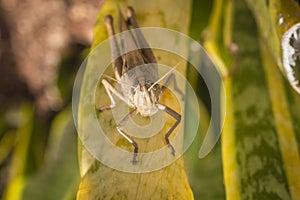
(142, 95)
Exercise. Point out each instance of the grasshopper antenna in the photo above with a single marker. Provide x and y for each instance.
(164, 76)
(120, 82)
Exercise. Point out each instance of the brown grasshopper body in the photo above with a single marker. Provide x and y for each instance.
(140, 90)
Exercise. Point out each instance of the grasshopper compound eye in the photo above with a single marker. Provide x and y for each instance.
(291, 55)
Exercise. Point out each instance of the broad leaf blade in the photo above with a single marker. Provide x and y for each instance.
(260, 137)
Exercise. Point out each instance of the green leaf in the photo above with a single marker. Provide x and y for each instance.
(260, 140)
(278, 23)
(58, 177)
(206, 173)
(20, 162)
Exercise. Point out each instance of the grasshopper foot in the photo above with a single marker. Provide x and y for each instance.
(134, 160)
(172, 149)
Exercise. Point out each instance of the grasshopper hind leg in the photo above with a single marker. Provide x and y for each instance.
(117, 62)
(147, 52)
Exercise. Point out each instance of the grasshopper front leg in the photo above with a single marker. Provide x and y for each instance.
(115, 51)
(175, 115)
(119, 128)
(111, 90)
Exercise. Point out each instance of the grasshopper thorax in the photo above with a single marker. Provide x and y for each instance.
(146, 100)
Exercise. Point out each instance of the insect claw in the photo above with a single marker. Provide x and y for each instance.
(134, 160)
(136, 150)
(172, 149)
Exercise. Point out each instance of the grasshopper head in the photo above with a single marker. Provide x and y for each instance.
(145, 101)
